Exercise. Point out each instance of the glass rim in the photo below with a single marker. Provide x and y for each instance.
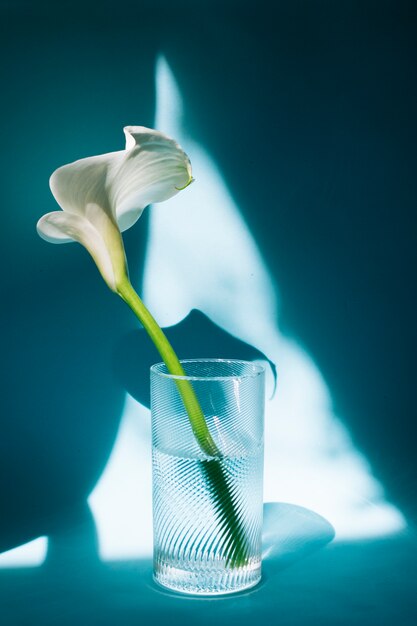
(255, 370)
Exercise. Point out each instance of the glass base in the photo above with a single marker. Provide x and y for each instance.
(207, 583)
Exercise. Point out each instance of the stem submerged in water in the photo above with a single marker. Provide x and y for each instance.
(217, 479)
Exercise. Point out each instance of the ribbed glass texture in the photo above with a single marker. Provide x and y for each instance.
(207, 509)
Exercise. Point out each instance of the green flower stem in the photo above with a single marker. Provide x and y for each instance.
(236, 546)
(195, 414)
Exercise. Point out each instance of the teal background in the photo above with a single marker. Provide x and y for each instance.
(309, 110)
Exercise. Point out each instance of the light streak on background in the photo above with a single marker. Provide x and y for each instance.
(31, 554)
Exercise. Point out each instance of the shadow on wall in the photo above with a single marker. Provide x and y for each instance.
(69, 95)
(309, 111)
(194, 337)
(61, 407)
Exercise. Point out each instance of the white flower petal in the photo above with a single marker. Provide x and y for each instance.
(77, 184)
(49, 228)
(104, 195)
(153, 169)
(62, 227)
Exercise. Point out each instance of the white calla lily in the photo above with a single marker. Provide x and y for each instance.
(101, 196)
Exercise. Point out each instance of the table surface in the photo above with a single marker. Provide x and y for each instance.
(308, 577)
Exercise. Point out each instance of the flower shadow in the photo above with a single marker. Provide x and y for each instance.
(196, 336)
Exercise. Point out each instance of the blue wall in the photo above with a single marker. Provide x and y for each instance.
(310, 112)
